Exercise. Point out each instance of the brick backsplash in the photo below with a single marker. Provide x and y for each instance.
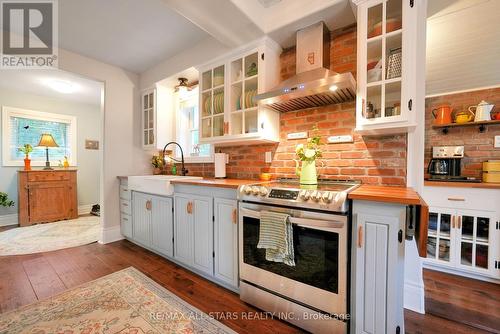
(373, 160)
(479, 147)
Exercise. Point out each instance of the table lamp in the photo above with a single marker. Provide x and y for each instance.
(46, 140)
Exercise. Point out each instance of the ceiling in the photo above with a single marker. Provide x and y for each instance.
(35, 82)
(463, 45)
(131, 34)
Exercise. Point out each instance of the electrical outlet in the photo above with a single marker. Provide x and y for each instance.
(497, 141)
(269, 157)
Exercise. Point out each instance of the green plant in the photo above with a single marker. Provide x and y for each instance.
(157, 161)
(311, 150)
(5, 201)
(26, 149)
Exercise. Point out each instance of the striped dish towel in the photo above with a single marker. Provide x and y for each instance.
(276, 236)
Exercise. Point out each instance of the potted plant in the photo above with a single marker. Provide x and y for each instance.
(26, 149)
(307, 154)
(157, 164)
(5, 201)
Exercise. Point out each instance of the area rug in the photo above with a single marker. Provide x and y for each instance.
(126, 302)
(50, 236)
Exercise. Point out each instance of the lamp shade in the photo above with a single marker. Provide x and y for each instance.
(46, 140)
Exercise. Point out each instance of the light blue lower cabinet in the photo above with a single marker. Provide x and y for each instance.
(377, 268)
(153, 222)
(226, 240)
(162, 225)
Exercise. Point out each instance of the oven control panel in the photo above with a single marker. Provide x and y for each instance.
(283, 194)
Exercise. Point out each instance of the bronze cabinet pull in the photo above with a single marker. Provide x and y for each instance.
(453, 221)
(148, 205)
(459, 222)
(235, 216)
(360, 236)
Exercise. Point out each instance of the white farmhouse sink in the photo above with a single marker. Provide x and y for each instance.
(156, 184)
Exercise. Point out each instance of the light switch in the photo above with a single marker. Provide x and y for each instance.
(497, 141)
(269, 157)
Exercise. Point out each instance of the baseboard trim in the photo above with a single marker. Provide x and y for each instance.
(8, 220)
(110, 234)
(84, 209)
(414, 297)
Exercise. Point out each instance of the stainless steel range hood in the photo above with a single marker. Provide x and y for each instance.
(314, 85)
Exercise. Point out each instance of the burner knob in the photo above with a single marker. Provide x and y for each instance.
(263, 191)
(255, 190)
(304, 195)
(247, 190)
(327, 197)
(315, 195)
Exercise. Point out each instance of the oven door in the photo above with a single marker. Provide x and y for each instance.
(318, 279)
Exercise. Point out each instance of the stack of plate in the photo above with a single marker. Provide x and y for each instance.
(219, 102)
(491, 171)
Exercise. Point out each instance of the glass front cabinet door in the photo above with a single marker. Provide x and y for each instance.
(387, 59)
(148, 109)
(466, 240)
(229, 111)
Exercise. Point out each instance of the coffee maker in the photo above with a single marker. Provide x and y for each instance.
(445, 164)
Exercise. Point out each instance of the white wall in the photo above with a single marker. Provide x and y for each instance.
(122, 151)
(88, 127)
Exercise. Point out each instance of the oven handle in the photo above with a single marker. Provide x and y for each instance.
(303, 222)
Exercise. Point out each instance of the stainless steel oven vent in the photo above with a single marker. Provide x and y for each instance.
(314, 85)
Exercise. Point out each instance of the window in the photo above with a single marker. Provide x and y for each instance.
(188, 133)
(26, 127)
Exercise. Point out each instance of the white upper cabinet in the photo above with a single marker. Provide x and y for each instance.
(229, 114)
(388, 61)
(157, 117)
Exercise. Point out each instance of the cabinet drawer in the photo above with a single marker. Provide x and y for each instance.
(125, 207)
(125, 193)
(126, 225)
(48, 176)
(462, 198)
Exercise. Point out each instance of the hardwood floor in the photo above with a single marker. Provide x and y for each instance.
(28, 278)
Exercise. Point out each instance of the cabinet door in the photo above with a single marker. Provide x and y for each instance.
(148, 107)
(212, 103)
(162, 225)
(202, 215)
(49, 201)
(441, 235)
(379, 275)
(183, 230)
(226, 240)
(475, 241)
(142, 218)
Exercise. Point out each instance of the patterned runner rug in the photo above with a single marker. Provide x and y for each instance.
(125, 302)
(50, 236)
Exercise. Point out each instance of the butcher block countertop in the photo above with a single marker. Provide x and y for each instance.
(219, 183)
(400, 195)
(462, 184)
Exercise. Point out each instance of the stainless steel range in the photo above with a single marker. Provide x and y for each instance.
(313, 293)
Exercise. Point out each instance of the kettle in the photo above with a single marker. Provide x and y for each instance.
(442, 114)
(482, 111)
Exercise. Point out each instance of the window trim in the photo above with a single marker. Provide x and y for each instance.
(8, 112)
(187, 157)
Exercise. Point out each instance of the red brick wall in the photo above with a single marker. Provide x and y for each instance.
(479, 147)
(374, 160)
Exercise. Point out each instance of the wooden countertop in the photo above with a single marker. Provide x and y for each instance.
(220, 183)
(401, 195)
(462, 184)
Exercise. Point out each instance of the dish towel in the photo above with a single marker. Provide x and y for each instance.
(276, 236)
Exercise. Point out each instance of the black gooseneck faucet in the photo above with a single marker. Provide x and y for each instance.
(184, 171)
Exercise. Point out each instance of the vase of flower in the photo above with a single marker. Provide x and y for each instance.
(26, 149)
(307, 154)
